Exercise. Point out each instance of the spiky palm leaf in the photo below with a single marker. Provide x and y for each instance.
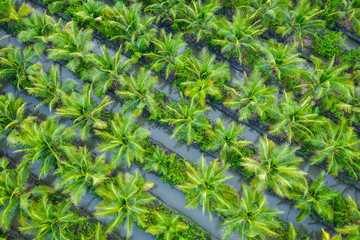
(167, 226)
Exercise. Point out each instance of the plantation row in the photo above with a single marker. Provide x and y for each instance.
(148, 105)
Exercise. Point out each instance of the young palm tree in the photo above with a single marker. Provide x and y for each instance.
(168, 52)
(39, 28)
(72, 45)
(133, 28)
(249, 216)
(16, 62)
(47, 219)
(124, 138)
(159, 161)
(187, 117)
(338, 145)
(167, 226)
(81, 170)
(165, 10)
(239, 35)
(317, 198)
(138, 90)
(352, 230)
(15, 193)
(252, 98)
(327, 82)
(276, 168)
(91, 11)
(48, 87)
(300, 21)
(107, 71)
(351, 13)
(9, 12)
(227, 140)
(45, 143)
(351, 105)
(296, 120)
(204, 76)
(85, 112)
(199, 17)
(326, 236)
(12, 116)
(60, 5)
(207, 187)
(125, 201)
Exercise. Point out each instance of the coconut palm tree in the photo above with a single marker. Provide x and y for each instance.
(291, 234)
(72, 45)
(327, 82)
(16, 62)
(81, 170)
(276, 168)
(167, 226)
(350, 12)
(280, 60)
(352, 230)
(249, 216)
(48, 87)
(44, 143)
(227, 140)
(187, 117)
(12, 116)
(124, 139)
(168, 53)
(16, 193)
(238, 35)
(125, 200)
(317, 198)
(132, 27)
(9, 11)
(351, 105)
(39, 28)
(83, 110)
(326, 236)
(92, 11)
(47, 219)
(107, 71)
(61, 5)
(165, 10)
(199, 18)
(138, 90)
(207, 187)
(338, 145)
(297, 120)
(300, 21)
(159, 161)
(252, 98)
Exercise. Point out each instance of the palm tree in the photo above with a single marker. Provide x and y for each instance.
(61, 5)
(300, 21)
(10, 14)
(297, 120)
(12, 116)
(138, 90)
(92, 11)
(326, 236)
(16, 193)
(107, 71)
(199, 17)
(350, 13)
(317, 198)
(207, 187)
(72, 45)
(124, 138)
(47, 219)
(48, 87)
(238, 35)
(252, 98)
(125, 200)
(291, 234)
(338, 145)
(16, 62)
(159, 161)
(83, 110)
(327, 82)
(352, 230)
(280, 60)
(39, 28)
(168, 52)
(81, 170)
(227, 140)
(351, 105)
(167, 226)
(186, 118)
(133, 28)
(249, 216)
(166, 10)
(45, 143)
(276, 168)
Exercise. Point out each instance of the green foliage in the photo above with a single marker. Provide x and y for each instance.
(328, 44)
